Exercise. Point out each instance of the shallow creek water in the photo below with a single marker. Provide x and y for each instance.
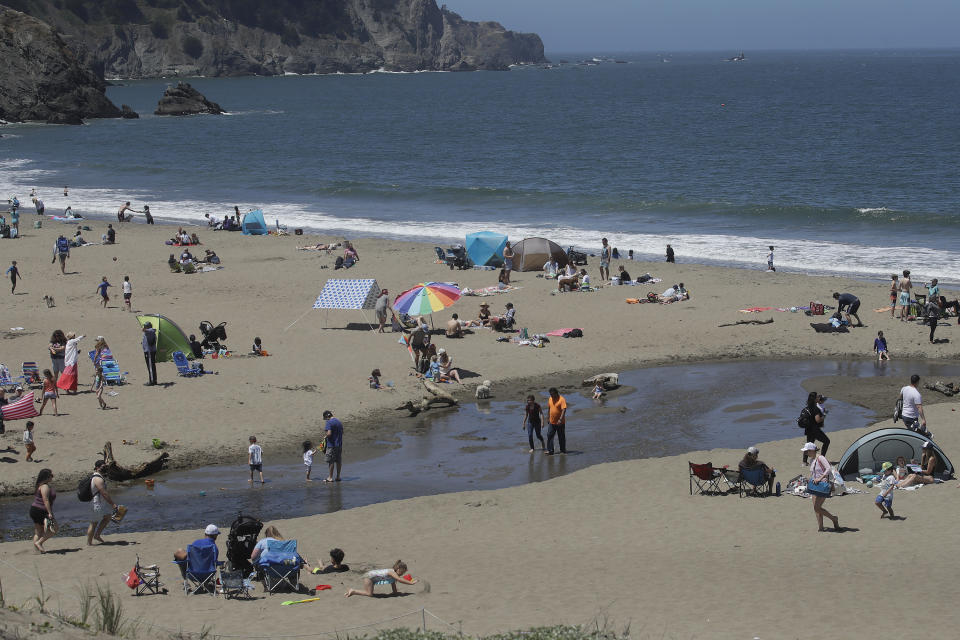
(657, 412)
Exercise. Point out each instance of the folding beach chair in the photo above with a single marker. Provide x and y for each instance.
(183, 366)
(200, 573)
(31, 373)
(149, 576)
(753, 482)
(706, 478)
(280, 564)
(112, 373)
(234, 584)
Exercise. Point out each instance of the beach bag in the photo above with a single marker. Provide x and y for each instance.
(85, 489)
(816, 309)
(573, 333)
(805, 420)
(133, 580)
(822, 488)
(338, 264)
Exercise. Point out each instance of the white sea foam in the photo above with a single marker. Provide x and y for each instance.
(18, 176)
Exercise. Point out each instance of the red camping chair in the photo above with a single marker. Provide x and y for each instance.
(706, 478)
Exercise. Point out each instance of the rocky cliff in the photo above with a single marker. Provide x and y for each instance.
(41, 77)
(156, 38)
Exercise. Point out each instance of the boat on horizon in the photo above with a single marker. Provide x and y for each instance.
(737, 58)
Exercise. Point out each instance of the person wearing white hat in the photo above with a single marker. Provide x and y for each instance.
(209, 539)
(819, 485)
(750, 461)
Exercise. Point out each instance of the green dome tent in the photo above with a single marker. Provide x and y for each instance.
(170, 337)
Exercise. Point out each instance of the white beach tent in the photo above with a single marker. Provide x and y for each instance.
(346, 294)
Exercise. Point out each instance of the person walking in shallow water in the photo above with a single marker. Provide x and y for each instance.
(770, 266)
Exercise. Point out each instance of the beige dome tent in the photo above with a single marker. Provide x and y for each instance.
(530, 254)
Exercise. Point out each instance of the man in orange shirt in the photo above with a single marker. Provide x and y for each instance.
(558, 421)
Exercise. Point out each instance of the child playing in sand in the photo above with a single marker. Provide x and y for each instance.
(28, 440)
(102, 290)
(884, 500)
(434, 372)
(382, 576)
(99, 382)
(257, 348)
(880, 347)
(375, 379)
(336, 563)
(255, 459)
(308, 452)
(50, 392)
(598, 391)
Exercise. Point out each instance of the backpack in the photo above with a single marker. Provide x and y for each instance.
(85, 488)
(573, 333)
(805, 420)
(63, 245)
(338, 264)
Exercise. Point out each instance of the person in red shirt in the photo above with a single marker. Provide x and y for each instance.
(558, 421)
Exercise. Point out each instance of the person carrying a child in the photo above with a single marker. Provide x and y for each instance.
(884, 499)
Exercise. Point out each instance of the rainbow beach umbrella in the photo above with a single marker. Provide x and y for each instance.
(426, 298)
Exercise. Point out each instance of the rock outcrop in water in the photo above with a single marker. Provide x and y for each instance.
(158, 38)
(184, 100)
(154, 38)
(41, 77)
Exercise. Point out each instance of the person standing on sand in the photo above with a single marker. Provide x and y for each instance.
(670, 255)
(894, 292)
(101, 518)
(61, 249)
(149, 344)
(57, 347)
(912, 412)
(41, 510)
(380, 308)
(334, 450)
(68, 378)
(604, 261)
(14, 273)
(905, 286)
(508, 261)
(557, 406)
(814, 415)
(820, 471)
(127, 292)
(147, 214)
(770, 266)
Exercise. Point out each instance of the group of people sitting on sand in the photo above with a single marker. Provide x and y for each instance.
(187, 261)
(393, 576)
(184, 239)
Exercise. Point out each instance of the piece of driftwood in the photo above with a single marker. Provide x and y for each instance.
(733, 324)
(114, 471)
(946, 388)
(433, 395)
(608, 380)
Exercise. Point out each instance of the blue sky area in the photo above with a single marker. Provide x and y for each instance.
(722, 25)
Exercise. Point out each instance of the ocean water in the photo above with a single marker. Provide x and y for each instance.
(846, 161)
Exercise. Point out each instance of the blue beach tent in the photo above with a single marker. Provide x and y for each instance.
(485, 248)
(253, 224)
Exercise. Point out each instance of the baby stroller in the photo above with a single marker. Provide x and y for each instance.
(212, 335)
(240, 543)
(456, 257)
(576, 257)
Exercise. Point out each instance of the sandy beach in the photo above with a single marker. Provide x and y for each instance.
(623, 541)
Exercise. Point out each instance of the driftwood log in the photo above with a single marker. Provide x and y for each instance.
(948, 389)
(608, 380)
(733, 324)
(114, 471)
(433, 395)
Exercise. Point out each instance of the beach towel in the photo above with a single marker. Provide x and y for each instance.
(826, 327)
(560, 332)
(487, 291)
(20, 409)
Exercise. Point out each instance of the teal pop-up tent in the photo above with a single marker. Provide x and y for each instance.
(253, 224)
(486, 248)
